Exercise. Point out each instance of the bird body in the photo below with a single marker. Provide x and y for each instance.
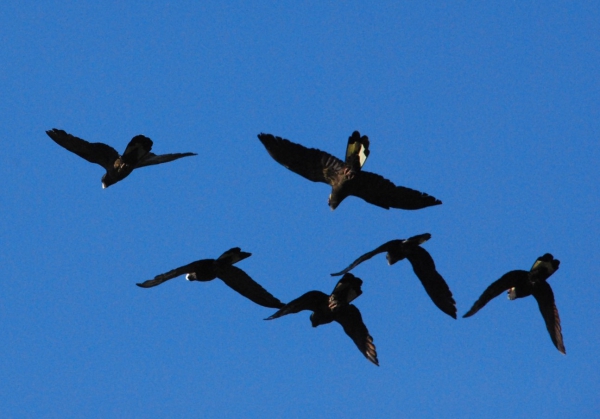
(521, 284)
(346, 178)
(118, 167)
(336, 307)
(422, 264)
(208, 269)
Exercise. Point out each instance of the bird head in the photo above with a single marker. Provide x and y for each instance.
(107, 181)
(333, 202)
(313, 320)
(394, 257)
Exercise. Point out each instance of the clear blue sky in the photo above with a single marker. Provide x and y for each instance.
(494, 109)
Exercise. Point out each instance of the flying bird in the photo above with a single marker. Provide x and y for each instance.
(208, 269)
(118, 167)
(521, 284)
(346, 178)
(422, 264)
(336, 307)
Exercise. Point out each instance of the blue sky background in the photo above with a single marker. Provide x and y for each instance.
(492, 108)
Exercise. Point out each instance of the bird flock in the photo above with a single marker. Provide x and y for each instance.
(346, 178)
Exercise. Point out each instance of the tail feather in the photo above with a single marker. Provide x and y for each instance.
(233, 255)
(357, 151)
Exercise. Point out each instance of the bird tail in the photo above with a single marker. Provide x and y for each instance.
(418, 239)
(232, 256)
(357, 151)
(137, 149)
(346, 290)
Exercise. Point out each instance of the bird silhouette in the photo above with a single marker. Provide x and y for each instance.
(136, 155)
(423, 265)
(346, 178)
(521, 284)
(222, 268)
(336, 307)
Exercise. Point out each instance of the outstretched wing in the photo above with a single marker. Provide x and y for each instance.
(351, 320)
(308, 301)
(152, 158)
(159, 279)
(545, 299)
(432, 281)
(507, 281)
(311, 163)
(97, 153)
(239, 281)
(377, 190)
(381, 249)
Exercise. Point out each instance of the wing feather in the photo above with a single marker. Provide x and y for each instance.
(152, 159)
(159, 279)
(311, 163)
(377, 190)
(434, 284)
(97, 153)
(545, 299)
(351, 320)
(507, 281)
(381, 249)
(241, 282)
(308, 301)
